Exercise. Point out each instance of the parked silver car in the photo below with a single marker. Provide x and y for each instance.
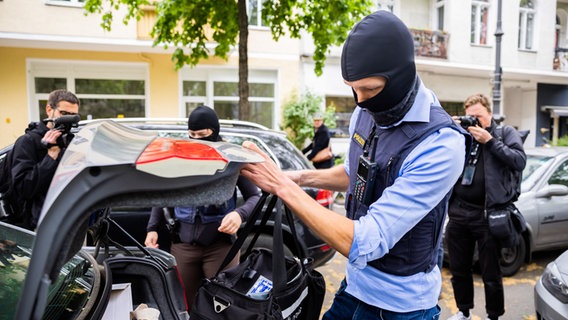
(543, 203)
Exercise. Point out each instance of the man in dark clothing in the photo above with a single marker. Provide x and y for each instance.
(37, 153)
(204, 234)
(319, 142)
(484, 185)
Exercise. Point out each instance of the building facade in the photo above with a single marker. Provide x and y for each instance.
(48, 44)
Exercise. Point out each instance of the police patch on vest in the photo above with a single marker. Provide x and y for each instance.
(358, 139)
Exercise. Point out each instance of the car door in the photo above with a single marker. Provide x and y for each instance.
(553, 210)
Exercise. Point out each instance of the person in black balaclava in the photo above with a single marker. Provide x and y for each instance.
(405, 154)
(203, 123)
(204, 234)
(391, 56)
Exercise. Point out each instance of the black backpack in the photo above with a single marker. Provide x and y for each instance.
(10, 209)
(516, 177)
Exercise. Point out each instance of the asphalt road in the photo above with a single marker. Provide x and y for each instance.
(519, 289)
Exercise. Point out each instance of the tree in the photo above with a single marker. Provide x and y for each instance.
(297, 117)
(190, 25)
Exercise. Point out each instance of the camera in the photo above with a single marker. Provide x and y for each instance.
(468, 121)
(65, 123)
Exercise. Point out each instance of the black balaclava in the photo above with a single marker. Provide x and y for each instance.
(204, 117)
(381, 45)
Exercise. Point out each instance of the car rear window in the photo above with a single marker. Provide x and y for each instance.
(69, 293)
(287, 154)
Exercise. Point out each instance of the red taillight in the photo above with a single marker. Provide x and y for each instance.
(325, 248)
(166, 148)
(167, 157)
(324, 197)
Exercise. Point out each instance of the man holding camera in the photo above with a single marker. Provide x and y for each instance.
(482, 186)
(37, 153)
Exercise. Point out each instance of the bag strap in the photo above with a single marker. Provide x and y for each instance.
(243, 233)
(278, 261)
(290, 219)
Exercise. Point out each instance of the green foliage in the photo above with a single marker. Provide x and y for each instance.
(327, 21)
(562, 141)
(297, 120)
(187, 25)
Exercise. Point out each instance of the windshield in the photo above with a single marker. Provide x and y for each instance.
(66, 297)
(535, 167)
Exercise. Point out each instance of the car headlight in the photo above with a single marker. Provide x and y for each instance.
(554, 283)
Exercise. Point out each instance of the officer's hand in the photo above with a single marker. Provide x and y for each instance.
(151, 240)
(231, 223)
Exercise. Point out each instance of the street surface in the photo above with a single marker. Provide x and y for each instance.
(519, 289)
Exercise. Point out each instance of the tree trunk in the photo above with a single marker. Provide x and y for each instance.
(243, 62)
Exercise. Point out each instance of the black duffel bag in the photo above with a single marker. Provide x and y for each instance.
(267, 284)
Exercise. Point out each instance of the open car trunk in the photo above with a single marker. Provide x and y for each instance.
(106, 165)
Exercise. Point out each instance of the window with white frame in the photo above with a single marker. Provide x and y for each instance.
(385, 5)
(527, 13)
(218, 88)
(479, 21)
(439, 14)
(105, 90)
(254, 13)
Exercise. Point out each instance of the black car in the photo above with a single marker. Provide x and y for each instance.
(50, 274)
(274, 143)
(133, 219)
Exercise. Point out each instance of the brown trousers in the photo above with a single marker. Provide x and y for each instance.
(196, 262)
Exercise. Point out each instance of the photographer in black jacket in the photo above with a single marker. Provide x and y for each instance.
(485, 184)
(37, 153)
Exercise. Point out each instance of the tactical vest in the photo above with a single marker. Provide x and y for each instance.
(207, 214)
(416, 251)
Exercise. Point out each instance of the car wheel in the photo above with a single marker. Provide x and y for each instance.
(263, 241)
(513, 258)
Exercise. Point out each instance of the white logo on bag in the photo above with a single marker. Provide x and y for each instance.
(260, 289)
(294, 311)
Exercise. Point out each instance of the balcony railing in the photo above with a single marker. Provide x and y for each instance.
(430, 43)
(560, 61)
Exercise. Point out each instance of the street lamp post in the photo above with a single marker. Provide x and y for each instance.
(498, 71)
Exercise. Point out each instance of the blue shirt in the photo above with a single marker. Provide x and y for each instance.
(425, 177)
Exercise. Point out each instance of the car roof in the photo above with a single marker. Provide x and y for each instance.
(546, 151)
(181, 124)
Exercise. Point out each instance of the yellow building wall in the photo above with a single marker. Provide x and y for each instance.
(14, 113)
(163, 81)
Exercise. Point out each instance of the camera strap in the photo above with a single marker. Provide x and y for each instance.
(469, 170)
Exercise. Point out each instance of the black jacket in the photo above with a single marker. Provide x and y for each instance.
(206, 233)
(320, 141)
(500, 158)
(32, 171)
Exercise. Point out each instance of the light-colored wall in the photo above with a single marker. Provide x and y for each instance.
(36, 17)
